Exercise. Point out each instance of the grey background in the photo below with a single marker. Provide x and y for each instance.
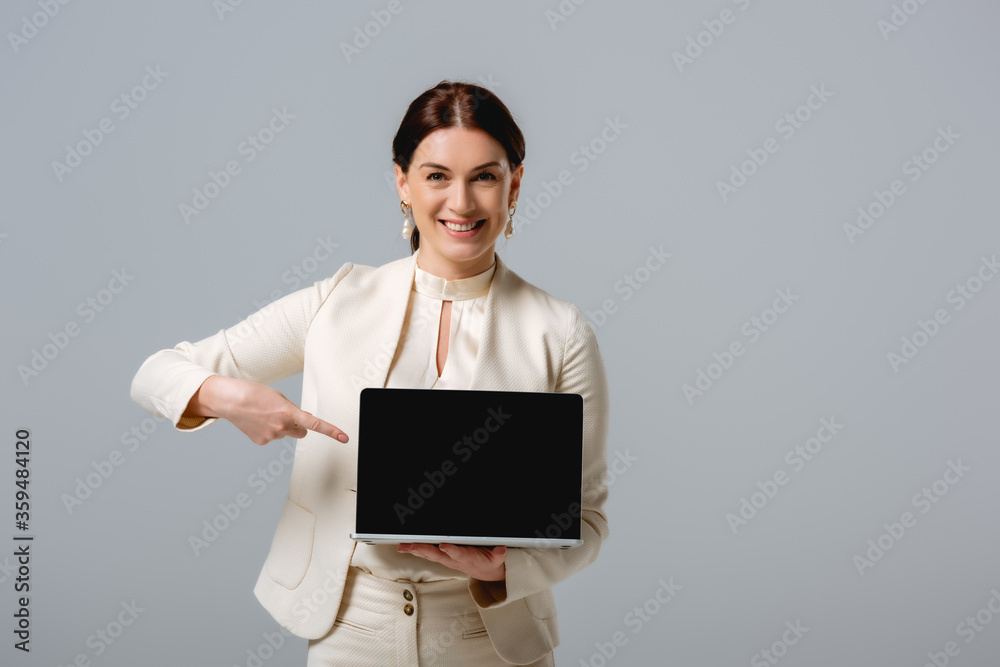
(325, 176)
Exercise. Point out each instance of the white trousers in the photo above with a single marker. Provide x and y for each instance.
(382, 623)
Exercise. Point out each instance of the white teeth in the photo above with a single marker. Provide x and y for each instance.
(460, 228)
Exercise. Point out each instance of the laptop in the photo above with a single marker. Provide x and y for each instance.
(470, 467)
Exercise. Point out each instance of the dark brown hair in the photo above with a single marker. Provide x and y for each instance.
(455, 104)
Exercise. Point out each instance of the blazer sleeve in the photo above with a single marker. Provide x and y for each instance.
(265, 347)
(531, 570)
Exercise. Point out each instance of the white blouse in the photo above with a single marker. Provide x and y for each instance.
(415, 366)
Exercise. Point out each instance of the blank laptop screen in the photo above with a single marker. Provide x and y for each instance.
(470, 463)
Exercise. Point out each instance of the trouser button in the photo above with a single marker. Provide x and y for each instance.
(408, 610)
(408, 595)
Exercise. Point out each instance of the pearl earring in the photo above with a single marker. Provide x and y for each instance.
(407, 230)
(509, 232)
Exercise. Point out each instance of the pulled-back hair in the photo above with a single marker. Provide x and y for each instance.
(455, 104)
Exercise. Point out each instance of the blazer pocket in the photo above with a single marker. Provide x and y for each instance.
(541, 605)
(291, 548)
(475, 634)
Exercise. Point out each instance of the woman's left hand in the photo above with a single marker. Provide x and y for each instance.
(479, 563)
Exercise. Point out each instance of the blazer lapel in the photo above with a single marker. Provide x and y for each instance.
(382, 320)
(495, 368)
(514, 349)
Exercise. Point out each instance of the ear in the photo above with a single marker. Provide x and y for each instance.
(515, 183)
(401, 185)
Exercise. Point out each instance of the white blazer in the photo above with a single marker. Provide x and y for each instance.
(341, 334)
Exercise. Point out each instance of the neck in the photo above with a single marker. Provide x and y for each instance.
(451, 269)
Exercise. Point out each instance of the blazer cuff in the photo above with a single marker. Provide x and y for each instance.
(519, 582)
(164, 385)
(488, 594)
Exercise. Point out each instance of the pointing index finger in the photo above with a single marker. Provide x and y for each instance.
(316, 424)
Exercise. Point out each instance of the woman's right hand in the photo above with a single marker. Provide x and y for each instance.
(261, 412)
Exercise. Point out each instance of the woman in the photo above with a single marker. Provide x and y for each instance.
(451, 315)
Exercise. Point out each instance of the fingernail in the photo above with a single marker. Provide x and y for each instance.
(342, 437)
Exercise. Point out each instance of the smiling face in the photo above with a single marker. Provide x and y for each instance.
(459, 185)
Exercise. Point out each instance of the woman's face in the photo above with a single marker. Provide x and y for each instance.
(458, 177)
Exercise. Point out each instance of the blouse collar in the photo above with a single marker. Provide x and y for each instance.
(452, 290)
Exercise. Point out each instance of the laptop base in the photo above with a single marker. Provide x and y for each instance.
(464, 540)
